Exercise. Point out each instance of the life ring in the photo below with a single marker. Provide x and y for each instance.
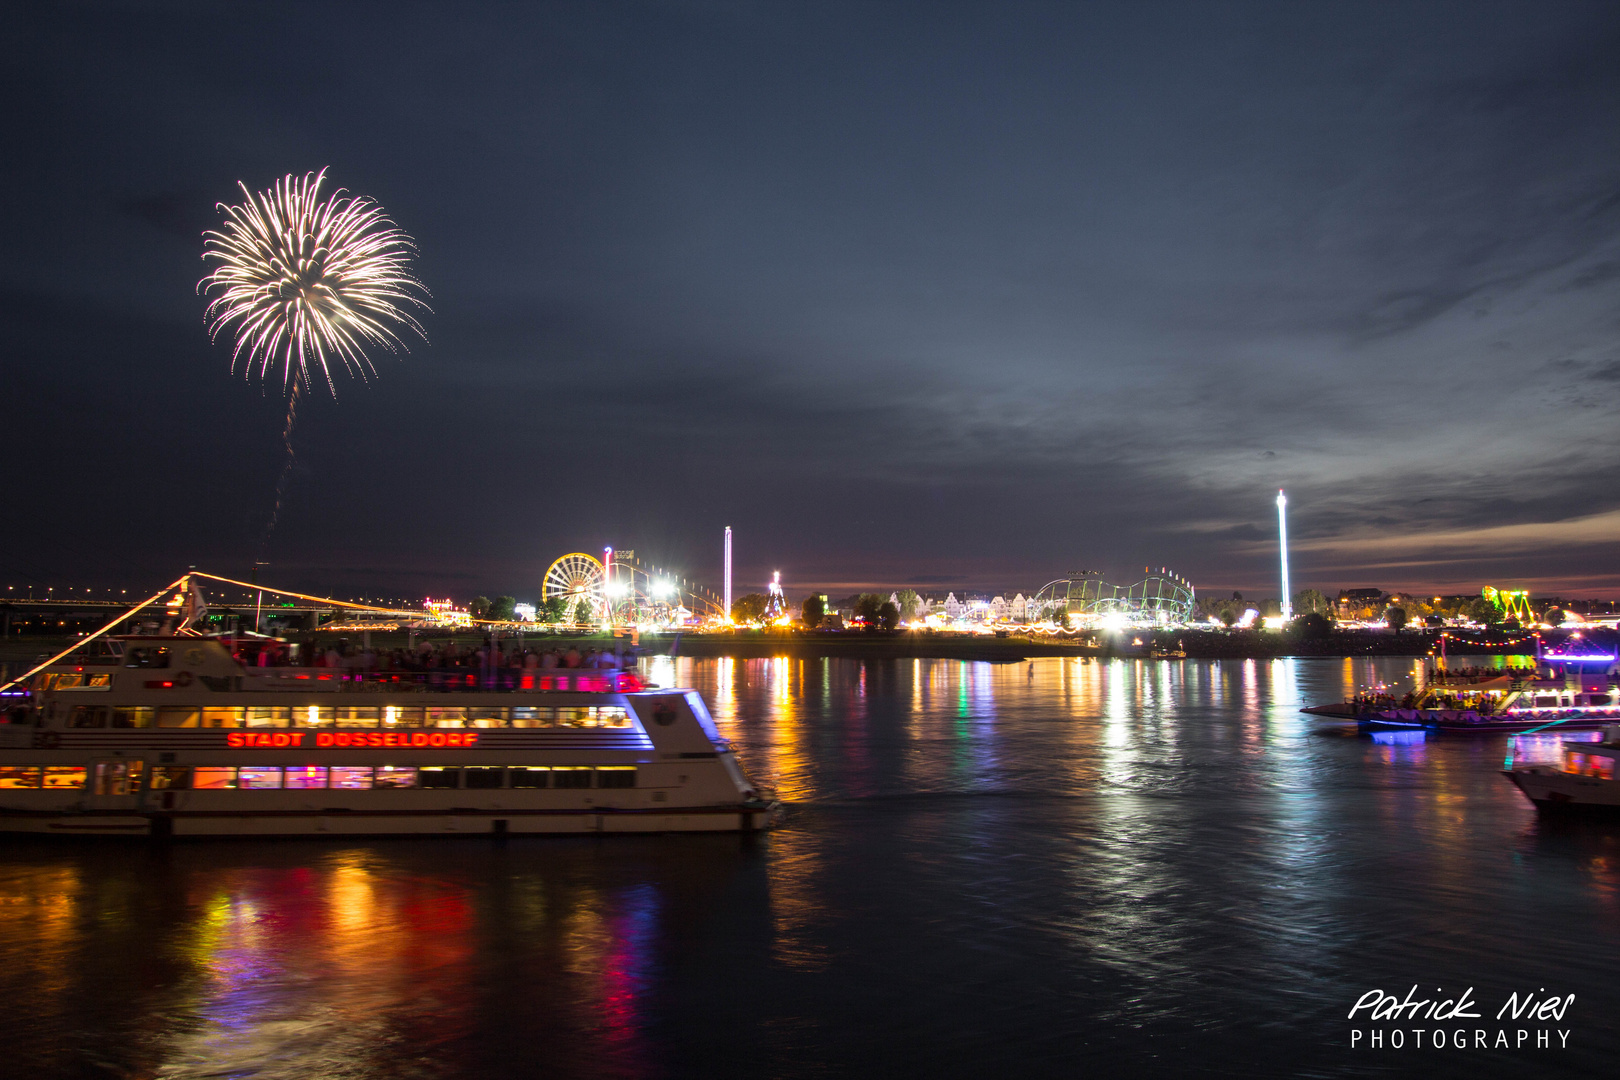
(183, 679)
(47, 740)
(664, 714)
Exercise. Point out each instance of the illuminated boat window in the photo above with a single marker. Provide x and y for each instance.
(178, 717)
(483, 778)
(312, 716)
(352, 716)
(19, 776)
(138, 716)
(406, 716)
(486, 717)
(268, 716)
(529, 777)
(592, 716)
(210, 778)
(64, 776)
(351, 777)
(226, 717)
(1598, 766)
(455, 716)
(395, 776)
(258, 777)
(150, 657)
(303, 777)
(531, 716)
(88, 716)
(117, 777)
(568, 776)
(616, 776)
(170, 778)
(438, 778)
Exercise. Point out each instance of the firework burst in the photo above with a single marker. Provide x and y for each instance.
(305, 282)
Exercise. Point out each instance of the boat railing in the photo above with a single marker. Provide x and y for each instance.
(445, 680)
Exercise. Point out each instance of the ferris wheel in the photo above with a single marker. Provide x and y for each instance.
(575, 577)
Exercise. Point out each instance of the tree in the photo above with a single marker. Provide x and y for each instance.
(750, 608)
(1229, 616)
(479, 607)
(583, 612)
(1396, 617)
(866, 608)
(909, 603)
(888, 615)
(1311, 601)
(503, 609)
(1312, 626)
(1554, 616)
(813, 611)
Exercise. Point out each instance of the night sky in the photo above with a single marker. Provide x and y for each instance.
(954, 297)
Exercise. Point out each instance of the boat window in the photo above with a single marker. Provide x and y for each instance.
(353, 716)
(395, 776)
(528, 778)
(568, 776)
(217, 717)
(590, 716)
(258, 777)
(178, 717)
(153, 657)
(531, 716)
(65, 681)
(88, 716)
(19, 776)
(438, 778)
(211, 778)
(268, 716)
(1574, 763)
(312, 716)
(405, 715)
(1545, 700)
(616, 776)
(302, 777)
(1597, 699)
(137, 716)
(446, 717)
(1598, 766)
(64, 776)
(483, 778)
(351, 777)
(169, 778)
(118, 777)
(486, 717)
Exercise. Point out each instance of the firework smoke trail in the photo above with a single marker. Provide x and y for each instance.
(304, 281)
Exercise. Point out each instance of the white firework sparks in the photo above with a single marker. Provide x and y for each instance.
(304, 281)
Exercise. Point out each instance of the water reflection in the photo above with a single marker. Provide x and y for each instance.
(1076, 855)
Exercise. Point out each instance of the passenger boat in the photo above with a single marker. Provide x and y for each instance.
(1575, 690)
(1583, 782)
(177, 735)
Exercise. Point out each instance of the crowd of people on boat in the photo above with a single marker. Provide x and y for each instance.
(432, 656)
(1475, 674)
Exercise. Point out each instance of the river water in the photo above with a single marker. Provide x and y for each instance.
(1073, 868)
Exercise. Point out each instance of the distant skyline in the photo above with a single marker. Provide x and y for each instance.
(956, 296)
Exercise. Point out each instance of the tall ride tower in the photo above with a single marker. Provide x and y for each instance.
(1282, 537)
(728, 574)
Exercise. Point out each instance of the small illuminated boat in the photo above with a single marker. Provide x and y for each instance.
(175, 735)
(1577, 691)
(1583, 782)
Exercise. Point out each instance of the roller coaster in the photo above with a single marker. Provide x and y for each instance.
(1161, 598)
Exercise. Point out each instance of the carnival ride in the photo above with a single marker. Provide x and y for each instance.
(1162, 598)
(621, 590)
